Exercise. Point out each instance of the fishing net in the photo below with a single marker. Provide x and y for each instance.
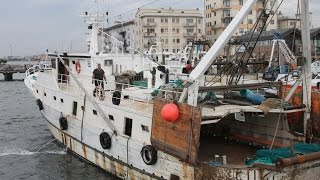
(269, 157)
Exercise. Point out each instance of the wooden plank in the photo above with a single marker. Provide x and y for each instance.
(181, 138)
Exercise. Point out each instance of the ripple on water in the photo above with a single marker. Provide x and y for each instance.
(23, 131)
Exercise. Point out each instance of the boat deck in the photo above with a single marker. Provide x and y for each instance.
(236, 153)
(140, 100)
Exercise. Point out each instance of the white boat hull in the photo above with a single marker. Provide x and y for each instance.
(108, 163)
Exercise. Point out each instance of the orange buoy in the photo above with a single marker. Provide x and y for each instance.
(170, 112)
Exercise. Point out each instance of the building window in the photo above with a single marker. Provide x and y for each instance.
(128, 127)
(271, 21)
(226, 3)
(178, 40)
(162, 30)
(189, 20)
(166, 20)
(241, 30)
(250, 12)
(272, 2)
(75, 108)
(173, 20)
(150, 20)
(249, 21)
(178, 30)
(226, 13)
(240, 2)
(54, 98)
(173, 30)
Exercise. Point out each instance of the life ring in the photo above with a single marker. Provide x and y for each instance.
(39, 103)
(116, 97)
(149, 155)
(78, 67)
(105, 140)
(63, 123)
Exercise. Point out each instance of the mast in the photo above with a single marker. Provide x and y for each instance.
(306, 42)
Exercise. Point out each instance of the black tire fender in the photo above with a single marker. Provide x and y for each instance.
(149, 154)
(116, 98)
(39, 103)
(105, 140)
(63, 123)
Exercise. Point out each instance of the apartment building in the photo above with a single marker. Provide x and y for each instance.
(219, 13)
(285, 22)
(123, 31)
(174, 28)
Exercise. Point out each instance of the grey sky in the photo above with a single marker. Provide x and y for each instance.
(32, 26)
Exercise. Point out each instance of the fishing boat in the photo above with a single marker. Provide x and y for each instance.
(147, 132)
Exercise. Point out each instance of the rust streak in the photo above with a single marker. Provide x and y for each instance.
(185, 170)
(113, 167)
(104, 165)
(84, 151)
(96, 155)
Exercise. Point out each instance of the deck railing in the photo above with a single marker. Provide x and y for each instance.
(128, 91)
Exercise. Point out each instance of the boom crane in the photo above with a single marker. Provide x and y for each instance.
(214, 51)
(223, 39)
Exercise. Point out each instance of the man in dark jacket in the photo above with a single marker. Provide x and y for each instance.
(98, 77)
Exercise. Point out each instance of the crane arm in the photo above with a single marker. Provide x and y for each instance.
(223, 39)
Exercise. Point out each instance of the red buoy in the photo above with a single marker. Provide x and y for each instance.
(170, 112)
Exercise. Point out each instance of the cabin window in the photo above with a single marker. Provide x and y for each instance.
(37, 91)
(54, 98)
(128, 127)
(75, 108)
(94, 112)
(61, 100)
(53, 63)
(145, 128)
(108, 62)
(111, 117)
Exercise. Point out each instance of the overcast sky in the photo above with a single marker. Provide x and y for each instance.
(30, 27)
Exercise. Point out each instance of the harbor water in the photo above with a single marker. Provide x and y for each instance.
(27, 148)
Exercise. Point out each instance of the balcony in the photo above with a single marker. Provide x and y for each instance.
(146, 34)
(222, 7)
(188, 34)
(227, 15)
(221, 26)
(189, 24)
(149, 24)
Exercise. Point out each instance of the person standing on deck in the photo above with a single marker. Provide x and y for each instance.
(188, 67)
(97, 77)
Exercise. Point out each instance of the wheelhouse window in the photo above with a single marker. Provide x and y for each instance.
(128, 127)
(75, 108)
